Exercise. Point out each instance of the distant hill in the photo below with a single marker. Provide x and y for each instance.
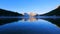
(9, 13)
(55, 12)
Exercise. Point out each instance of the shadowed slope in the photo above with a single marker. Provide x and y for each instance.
(55, 12)
(9, 13)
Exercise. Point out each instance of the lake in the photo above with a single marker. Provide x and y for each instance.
(29, 26)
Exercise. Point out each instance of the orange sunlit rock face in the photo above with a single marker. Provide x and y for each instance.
(32, 14)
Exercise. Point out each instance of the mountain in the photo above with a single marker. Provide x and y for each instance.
(55, 12)
(9, 13)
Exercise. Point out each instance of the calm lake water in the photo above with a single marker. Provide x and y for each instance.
(29, 26)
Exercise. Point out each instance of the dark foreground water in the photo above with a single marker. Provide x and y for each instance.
(29, 26)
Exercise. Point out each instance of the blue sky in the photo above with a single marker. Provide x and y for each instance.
(37, 6)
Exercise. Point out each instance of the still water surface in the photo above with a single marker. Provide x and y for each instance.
(29, 26)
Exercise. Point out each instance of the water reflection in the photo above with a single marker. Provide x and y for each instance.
(54, 21)
(8, 20)
(29, 26)
(31, 19)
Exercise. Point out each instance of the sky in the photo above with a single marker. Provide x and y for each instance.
(26, 6)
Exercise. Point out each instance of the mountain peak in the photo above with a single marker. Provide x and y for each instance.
(4, 12)
(53, 12)
(58, 7)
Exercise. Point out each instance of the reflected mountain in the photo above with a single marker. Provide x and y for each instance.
(31, 19)
(54, 21)
(8, 20)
